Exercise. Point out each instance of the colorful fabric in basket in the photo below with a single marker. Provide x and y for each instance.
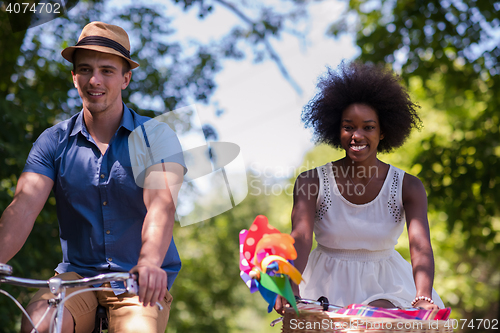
(361, 310)
(414, 314)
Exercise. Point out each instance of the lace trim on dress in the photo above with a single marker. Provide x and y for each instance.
(392, 204)
(326, 201)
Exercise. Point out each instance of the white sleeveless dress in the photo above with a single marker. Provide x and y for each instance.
(355, 260)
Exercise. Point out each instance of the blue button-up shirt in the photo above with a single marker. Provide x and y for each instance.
(100, 208)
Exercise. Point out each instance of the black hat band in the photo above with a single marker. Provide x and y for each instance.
(103, 41)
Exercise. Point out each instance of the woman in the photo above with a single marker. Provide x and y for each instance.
(356, 206)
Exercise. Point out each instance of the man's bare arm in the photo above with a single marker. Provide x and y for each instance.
(160, 197)
(19, 217)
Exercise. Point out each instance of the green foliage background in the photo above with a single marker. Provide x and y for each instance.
(445, 54)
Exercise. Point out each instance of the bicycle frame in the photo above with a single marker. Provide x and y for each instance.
(58, 288)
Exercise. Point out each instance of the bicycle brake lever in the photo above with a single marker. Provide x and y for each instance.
(275, 321)
(5, 269)
(131, 286)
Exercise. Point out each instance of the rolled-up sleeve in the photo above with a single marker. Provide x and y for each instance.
(151, 143)
(42, 155)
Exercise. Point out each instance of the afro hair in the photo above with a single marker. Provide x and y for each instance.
(367, 84)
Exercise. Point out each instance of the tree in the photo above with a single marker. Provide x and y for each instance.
(450, 50)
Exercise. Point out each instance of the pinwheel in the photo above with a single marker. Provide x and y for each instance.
(265, 262)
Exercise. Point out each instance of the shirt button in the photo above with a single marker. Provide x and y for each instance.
(104, 203)
(102, 176)
(108, 232)
(110, 259)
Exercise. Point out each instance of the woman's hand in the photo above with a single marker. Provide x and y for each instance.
(280, 305)
(426, 305)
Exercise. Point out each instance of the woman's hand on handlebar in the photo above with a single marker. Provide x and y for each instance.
(426, 305)
(280, 305)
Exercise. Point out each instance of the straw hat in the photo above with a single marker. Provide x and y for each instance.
(102, 37)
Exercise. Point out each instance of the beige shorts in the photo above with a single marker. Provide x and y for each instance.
(125, 312)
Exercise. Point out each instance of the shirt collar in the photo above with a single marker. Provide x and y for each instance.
(127, 119)
(126, 122)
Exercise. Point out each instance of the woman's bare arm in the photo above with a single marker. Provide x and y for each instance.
(304, 209)
(422, 258)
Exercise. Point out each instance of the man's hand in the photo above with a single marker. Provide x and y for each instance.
(152, 283)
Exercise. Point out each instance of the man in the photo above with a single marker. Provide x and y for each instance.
(110, 219)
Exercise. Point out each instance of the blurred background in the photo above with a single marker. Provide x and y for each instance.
(250, 67)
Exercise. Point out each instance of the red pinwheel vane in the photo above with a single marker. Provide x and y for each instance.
(266, 262)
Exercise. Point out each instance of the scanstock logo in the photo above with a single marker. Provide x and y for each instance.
(215, 178)
(25, 14)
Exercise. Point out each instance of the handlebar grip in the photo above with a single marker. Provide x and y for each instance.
(5, 270)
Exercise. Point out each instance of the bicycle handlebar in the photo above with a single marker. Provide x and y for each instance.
(56, 284)
(58, 287)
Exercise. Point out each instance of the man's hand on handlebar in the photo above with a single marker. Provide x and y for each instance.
(152, 283)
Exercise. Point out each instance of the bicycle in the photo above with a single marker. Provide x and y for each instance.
(58, 287)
